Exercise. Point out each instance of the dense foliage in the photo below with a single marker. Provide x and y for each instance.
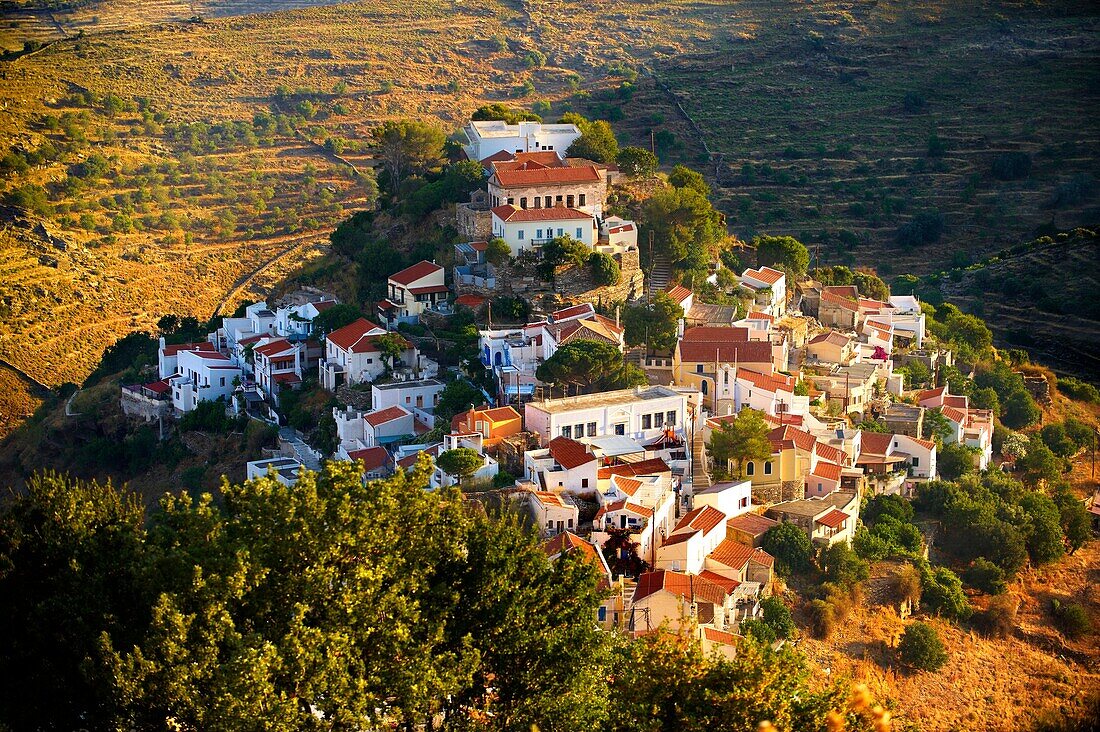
(338, 605)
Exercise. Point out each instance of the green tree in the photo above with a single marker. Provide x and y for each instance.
(784, 252)
(685, 225)
(1039, 464)
(791, 548)
(590, 365)
(335, 318)
(605, 270)
(1054, 437)
(1043, 527)
(1020, 410)
(391, 347)
(501, 111)
(955, 461)
(596, 143)
(986, 576)
(560, 251)
(634, 161)
(969, 330)
(1076, 524)
(497, 252)
(653, 324)
(684, 177)
(408, 146)
(843, 566)
(942, 592)
(921, 649)
(70, 572)
(457, 397)
(459, 463)
(744, 438)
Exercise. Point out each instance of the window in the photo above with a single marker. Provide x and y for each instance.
(558, 199)
(408, 400)
(523, 202)
(670, 418)
(601, 614)
(549, 524)
(750, 468)
(620, 429)
(591, 429)
(580, 199)
(511, 201)
(726, 377)
(916, 461)
(223, 381)
(703, 386)
(698, 368)
(584, 482)
(566, 431)
(570, 523)
(538, 233)
(547, 202)
(521, 233)
(768, 468)
(580, 233)
(647, 421)
(579, 431)
(820, 487)
(569, 201)
(561, 231)
(538, 202)
(743, 503)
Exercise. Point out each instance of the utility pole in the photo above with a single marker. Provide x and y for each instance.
(652, 141)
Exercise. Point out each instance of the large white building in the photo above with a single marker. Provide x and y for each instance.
(646, 414)
(489, 137)
(202, 376)
(528, 229)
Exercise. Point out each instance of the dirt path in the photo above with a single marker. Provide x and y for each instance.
(302, 242)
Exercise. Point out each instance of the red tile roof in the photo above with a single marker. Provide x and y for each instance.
(421, 269)
(876, 443)
(957, 416)
(764, 274)
(353, 337)
(288, 377)
(270, 349)
(830, 453)
(653, 466)
(725, 352)
(159, 387)
(388, 414)
(769, 382)
(174, 348)
(828, 471)
(847, 303)
(802, 440)
(624, 505)
(323, 305)
(836, 339)
(689, 587)
(566, 542)
(573, 311)
(679, 293)
(547, 176)
(556, 213)
(762, 557)
(926, 444)
(959, 402)
(833, 519)
(726, 583)
(720, 636)
(372, 457)
(628, 486)
(570, 453)
(704, 519)
(547, 498)
(732, 554)
(751, 523)
(471, 301)
(428, 289)
(931, 394)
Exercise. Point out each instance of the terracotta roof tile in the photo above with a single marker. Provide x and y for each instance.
(388, 414)
(547, 176)
(704, 519)
(833, 519)
(172, 349)
(372, 457)
(828, 471)
(421, 269)
(653, 466)
(764, 274)
(555, 213)
(689, 587)
(570, 453)
(732, 554)
(752, 524)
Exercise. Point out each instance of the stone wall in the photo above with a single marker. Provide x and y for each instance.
(472, 223)
(1038, 387)
(357, 398)
(788, 490)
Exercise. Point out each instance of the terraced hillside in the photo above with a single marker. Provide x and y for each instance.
(171, 161)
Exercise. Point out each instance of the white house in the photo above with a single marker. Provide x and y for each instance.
(533, 185)
(352, 356)
(772, 394)
(647, 414)
(769, 287)
(528, 229)
(553, 513)
(620, 235)
(168, 356)
(277, 362)
(696, 535)
(486, 138)
(412, 291)
(377, 462)
(297, 320)
(286, 470)
(357, 430)
(419, 397)
(732, 498)
(202, 376)
(564, 465)
(473, 441)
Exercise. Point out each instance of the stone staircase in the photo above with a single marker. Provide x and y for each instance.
(659, 276)
(700, 475)
(303, 453)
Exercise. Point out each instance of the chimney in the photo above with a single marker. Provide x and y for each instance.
(162, 343)
(616, 316)
(680, 329)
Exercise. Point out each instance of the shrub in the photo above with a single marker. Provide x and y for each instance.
(925, 228)
(843, 566)
(942, 593)
(986, 576)
(998, 620)
(1012, 165)
(906, 584)
(636, 161)
(790, 546)
(605, 270)
(777, 616)
(822, 618)
(1071, 618)
(1078, 390)
(921, 648)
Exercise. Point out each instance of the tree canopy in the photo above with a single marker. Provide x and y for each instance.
(408, 146)
(335, 317)
(653, 324)
(590, 365)
(597, 141)
(685, 225)
(684, 177)
(460, 463)
(635, 161)
(741, 439)
(784, 252)
(501, 111)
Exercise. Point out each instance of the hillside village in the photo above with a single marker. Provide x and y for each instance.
(782, 401)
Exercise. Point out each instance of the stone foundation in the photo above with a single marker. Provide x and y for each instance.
(790, 490)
